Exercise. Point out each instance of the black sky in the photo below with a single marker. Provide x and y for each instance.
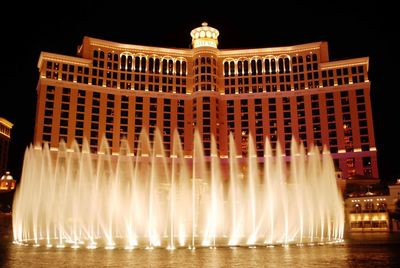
(351, 28)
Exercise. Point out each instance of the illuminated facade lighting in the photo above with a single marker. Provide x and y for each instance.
(5, 137)
(115, 90)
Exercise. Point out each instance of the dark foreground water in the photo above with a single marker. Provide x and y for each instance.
(358, 250)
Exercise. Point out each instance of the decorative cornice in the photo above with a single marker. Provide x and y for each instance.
(184, 52)
(345, 63)
(177, 52)
(5, 122)
(63, 59)
(8, 125)
(274, 50)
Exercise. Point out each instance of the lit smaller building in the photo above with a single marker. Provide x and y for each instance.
(5, 136)
(372, 211)
(7, 183)
(368, 213)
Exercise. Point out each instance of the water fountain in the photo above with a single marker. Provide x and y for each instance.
(71, 198)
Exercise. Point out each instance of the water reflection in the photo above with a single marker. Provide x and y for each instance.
(365, 250)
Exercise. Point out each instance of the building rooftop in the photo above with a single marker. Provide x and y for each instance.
(7, 176)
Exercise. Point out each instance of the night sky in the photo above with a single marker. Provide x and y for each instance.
(351, 28)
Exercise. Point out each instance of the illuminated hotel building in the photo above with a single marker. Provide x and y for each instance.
(5, 136)
(115, 90)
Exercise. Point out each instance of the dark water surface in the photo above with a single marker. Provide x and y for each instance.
(358, 250)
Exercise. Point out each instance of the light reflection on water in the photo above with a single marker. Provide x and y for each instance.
(360, 250)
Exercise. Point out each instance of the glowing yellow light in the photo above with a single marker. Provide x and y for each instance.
(204, 36)
(205, 43)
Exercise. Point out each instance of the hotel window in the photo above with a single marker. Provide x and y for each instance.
(273, 66)
(48, 121)
(47, 129)
(63, 131)
(79, 124)
(232, 68)
(267, 66)
(48, 112)
(46, 138)
(143, 65)
(64, 114)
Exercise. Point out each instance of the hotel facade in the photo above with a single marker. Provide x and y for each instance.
(5, 138)
(115, 90)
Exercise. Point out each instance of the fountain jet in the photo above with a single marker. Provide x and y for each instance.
(146, 198)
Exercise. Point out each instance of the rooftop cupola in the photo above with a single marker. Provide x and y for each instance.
(204, 36)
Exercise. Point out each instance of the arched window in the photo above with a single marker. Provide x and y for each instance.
(314, 57)
(178, 67)
(123, 62)
(294, 59)
(267, 66)
(369, 206)
(170, 66)
(280, 64)
(95, 53)
(381, 206)
(137, 63)
(232, 65)
(164, 66)
(253, 67)
(203, 60)
(151, 65)
(157, 66)
(226, 68)
(273, 66)
(115, 57)
(109, 56)
(240, 68)
(245, 67)
(143, 65)
(259, 67)
(287, 65)
(300, 59)
(101, 54)
(208, 60)
(184, 68)
(357, 208)
(129, 64)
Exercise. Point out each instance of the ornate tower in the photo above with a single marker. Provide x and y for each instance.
(205, 90)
